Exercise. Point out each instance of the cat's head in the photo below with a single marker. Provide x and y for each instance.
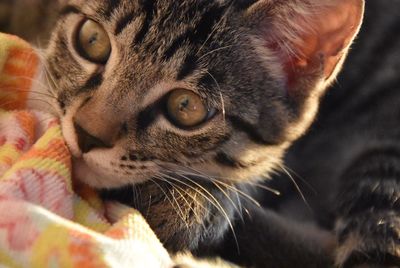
(218, 88)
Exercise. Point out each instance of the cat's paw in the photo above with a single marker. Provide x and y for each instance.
(369, 240)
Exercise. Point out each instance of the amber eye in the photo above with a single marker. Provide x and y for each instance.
(93, 42)
(186, 109)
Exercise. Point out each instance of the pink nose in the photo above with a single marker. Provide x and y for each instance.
(98, 125)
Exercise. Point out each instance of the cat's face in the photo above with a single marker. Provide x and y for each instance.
(154, 88)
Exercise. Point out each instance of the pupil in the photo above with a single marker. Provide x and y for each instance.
(184, 104)
(93, 38)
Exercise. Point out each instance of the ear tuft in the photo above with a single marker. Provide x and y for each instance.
(310, 36)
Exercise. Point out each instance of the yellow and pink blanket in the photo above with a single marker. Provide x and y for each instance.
(44, 222)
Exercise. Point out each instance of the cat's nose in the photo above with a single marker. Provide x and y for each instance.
(98, 125)
(88, 142)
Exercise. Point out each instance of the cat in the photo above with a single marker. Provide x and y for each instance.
(181, 108)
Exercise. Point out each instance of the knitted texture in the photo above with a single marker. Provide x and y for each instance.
(44, 222)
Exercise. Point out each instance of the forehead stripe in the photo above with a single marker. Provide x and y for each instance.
(188, 67)
(149, 10)
(123, 23)
(112, 5)
(199, 33)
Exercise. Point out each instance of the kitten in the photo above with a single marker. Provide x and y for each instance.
(179, 108)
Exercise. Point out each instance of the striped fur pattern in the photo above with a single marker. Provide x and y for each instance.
(193, 185)
(208, 49)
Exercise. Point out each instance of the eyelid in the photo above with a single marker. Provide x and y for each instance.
(69, 9)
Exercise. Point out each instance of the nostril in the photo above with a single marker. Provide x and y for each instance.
(88, 142)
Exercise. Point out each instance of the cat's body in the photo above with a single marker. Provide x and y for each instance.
(349, 159)
(250, 44)
(351, 155)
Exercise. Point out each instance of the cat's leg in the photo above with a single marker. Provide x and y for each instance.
(265, 239)
(368, 225)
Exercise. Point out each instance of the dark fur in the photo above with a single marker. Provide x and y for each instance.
(351, 157)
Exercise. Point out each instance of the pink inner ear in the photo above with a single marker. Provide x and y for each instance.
(334, 28)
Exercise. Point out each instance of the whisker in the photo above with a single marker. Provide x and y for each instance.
(135, 196)
(220, 206)
(191, 187)
(213, 51)
(45, 119)
(296, 186)
(215, 202)
(179, 207)
(187, 185)
(264, 187)
(41, 84)
(304, 181)
(170, 201)
(221, 96)
(216, 185)
(212, 32)
(17, 89)
(49, 77)
(228, 186)
(178, 188)
(223, 107)
(30, 99)
(229, 198)
(202, 175)
(50, 105)
(148, 207)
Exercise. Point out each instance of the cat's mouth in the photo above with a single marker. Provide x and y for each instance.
(100, 168)
(98, 171)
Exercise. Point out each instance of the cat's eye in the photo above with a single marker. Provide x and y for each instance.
(186, 109)
(93, 42)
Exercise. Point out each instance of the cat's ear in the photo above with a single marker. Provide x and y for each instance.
(310, 37)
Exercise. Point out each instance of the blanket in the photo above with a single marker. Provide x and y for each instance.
(47, 219)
